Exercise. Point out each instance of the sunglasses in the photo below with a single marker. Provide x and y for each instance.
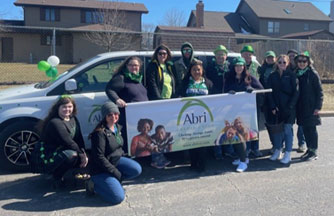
(280, 62)
(186, 51)
(302, 61)
(162, 53)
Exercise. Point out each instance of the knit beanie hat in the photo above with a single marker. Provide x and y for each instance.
(247, 48)
(107, 108)
(292, 51)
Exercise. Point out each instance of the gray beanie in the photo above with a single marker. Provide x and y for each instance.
(108, 107)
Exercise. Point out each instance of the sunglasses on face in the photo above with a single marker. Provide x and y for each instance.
(281, 62)
(302, 61)
(162, 53)
(186, 51)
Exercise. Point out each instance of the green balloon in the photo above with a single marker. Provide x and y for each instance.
(52, 72)
(43, 66)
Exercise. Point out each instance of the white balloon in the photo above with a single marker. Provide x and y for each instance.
(53, 61)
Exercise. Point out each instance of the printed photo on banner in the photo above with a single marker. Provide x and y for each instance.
(192, 122)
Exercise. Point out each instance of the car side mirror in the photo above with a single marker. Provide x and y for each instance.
(71, 85)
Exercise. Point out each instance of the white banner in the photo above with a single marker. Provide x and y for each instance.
(190, 122)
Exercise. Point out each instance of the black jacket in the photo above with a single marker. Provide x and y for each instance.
(232, 84)
(217, 75)
(155, 80)
(284, 95)
(106, 152)
(310, 98)
(263, 75)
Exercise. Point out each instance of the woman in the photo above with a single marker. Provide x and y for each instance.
(126, 87)
(141, 144)
(62, 147)
(309, 103)
(109, 168)
(239, 80)
(162, 83)
(161, 80)
(282, 103)
(196, 84)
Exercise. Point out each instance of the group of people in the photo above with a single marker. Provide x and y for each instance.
(296, 93)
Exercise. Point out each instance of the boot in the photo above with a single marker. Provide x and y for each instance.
(277, 155)
(286, 158)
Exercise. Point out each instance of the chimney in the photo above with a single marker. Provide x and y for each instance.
(331, 15)
(200, 14)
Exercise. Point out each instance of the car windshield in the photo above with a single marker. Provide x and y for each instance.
(46, 84)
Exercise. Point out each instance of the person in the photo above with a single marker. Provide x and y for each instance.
(196, 84)
(309, 103)
(161, 80)
(264, 72)
(162, 141)
(216, 72)
(239, 80)
(162, 83)
(126, 87)
(282, 103)
(62, 146)
(292, 53)
(182, 65)
(252, 66)
(109, 168)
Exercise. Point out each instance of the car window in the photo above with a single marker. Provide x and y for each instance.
(96, 78)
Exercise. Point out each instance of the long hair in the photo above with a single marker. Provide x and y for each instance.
(282, 56)
(162, 47)
(124, 64)
(245, 76)
(99, 127)
(53, 112)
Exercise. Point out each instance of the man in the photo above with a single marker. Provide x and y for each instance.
(292, 53)
(247, 52)
(217, 70)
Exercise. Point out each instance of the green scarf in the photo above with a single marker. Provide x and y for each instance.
(301, 72)
(134, 77)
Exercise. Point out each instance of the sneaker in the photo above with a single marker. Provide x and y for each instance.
(311, 156)
(301, 148)
(257, 153)
(237, 162)
(89, 185)
(286, 158)
(242, 167)
(305, 155)
(158, 165)
(277, 155)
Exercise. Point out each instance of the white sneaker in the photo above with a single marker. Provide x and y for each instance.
(236, 162)
(286, 158)
(242, 167)
(277, 155)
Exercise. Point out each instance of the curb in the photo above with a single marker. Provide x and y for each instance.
(326, 113)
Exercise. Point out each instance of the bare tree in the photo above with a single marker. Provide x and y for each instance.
(174, 17)
(147, 36)
(112, 33)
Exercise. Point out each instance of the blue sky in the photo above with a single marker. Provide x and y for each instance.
(157, 8)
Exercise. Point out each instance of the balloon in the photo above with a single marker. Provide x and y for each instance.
(52, 72)
(53, 61)
(43, 66)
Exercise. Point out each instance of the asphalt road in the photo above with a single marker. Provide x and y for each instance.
(266, 188)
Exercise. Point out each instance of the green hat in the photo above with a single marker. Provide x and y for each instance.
(304, 54)
(270, 53)
(239, 61)
(220, 48)
(247, 48)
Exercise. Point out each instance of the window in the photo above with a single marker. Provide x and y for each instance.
(89, 16)
(50, 14)
(46, 40)
(306, 27)
(273, 27)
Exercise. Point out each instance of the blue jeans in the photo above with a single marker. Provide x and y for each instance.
(286, 135)
(300, 136)
(109, 188)
(227, 149)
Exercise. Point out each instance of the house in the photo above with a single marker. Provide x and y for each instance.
(69, 22)
(315, 35)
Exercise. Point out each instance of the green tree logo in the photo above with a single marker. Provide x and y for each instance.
(95, 109)
(193, 102)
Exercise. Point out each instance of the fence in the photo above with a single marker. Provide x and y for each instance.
(22, 47)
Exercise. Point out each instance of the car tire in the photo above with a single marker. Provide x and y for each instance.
(17, 142)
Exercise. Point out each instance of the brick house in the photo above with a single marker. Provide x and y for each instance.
(70, 19)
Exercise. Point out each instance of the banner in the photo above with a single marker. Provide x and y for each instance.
(190, 122)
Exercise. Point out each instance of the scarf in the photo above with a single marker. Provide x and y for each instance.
(301, 72)
(134, 77)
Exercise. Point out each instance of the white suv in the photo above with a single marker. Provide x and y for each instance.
(23, 107)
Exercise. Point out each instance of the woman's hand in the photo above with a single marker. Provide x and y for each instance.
(121, 103)
(83, 160)
(274, 111)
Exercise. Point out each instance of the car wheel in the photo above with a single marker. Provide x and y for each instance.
(17, 142)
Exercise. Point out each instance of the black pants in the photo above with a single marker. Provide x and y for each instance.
(63, 162)
(311, 137)
(240, 149)
(198, 157)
